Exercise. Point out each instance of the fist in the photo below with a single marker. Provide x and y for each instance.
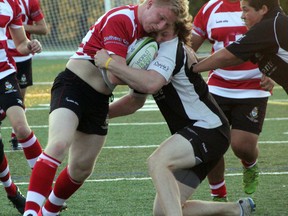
(34, 46)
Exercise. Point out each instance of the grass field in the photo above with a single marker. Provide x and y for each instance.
(120, 184)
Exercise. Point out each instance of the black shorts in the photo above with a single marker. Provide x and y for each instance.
(209, 146)
(10, 92)
(24, 73)
(244, 114)
(91, 107)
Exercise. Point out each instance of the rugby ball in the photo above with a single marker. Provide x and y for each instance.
(141, 52)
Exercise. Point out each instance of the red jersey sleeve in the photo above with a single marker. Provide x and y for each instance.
(200, 23)
(16, 22)
(35, 10)
(117, 35)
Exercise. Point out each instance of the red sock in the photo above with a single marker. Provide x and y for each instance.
(32, 149)
(64, 187)
(5, 178)
(13, 135)
(41, 181)
(218, 189)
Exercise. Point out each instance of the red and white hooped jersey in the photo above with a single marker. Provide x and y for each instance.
(31, 12)
(220, 22)
(10, 16)
(114, 31)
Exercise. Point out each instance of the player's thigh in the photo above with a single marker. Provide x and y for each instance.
(175, 152)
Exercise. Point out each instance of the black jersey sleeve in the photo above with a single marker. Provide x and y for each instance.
(259, 39)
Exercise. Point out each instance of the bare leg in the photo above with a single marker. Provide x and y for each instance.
(174, 153)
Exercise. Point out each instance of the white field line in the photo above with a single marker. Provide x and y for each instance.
(148, 178)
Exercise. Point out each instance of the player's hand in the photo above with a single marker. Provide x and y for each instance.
(34, 46)
(267, 83)
(101, 58)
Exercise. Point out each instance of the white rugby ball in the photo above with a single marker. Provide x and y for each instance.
(141, 52)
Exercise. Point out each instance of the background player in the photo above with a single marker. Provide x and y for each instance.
(241, 91)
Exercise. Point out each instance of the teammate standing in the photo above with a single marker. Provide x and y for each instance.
(10, 97)
(241, 91)
(34, 23)
(265, 43)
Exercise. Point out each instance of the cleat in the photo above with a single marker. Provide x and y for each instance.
(18, 201)
(15, 145)
(250, 179)
(247, 206)
(219, 199)
(64, 207)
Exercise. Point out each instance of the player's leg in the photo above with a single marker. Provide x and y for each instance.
(62, 127)
(245, 147)
(216, 177)
(243, 207)
(174, 153)
(247, 122)
(24, 78)
(82, 156)
(217, 182)
(11, 102)
(13, 193)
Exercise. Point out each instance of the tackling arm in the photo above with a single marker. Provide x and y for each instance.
(126, 105)
(141, 80)
(220, 59)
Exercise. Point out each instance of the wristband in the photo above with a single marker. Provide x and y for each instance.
(107, 63)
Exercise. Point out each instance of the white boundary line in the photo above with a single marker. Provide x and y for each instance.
(149, 178)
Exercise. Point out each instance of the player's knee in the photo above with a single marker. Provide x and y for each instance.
(1, 151)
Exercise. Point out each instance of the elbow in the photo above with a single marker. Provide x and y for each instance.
(149, 88)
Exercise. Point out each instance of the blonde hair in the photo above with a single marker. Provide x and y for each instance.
(180, 8)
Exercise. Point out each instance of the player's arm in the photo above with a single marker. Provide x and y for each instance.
(146, 81)
(23, 45)
(220, 59)
(127, 104)
(196, 41)
(38, 27)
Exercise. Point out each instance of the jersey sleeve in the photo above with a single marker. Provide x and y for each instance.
(17, 16)
(200, 23)
(117, 35)
(259, 39)
(165, 61)
(35, 11)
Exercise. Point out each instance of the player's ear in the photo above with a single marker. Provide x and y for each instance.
(264, 10)
(149, 3)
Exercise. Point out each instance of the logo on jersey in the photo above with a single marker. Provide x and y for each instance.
(253, 115)
(115, 40)
(161, 66)
(71, 101)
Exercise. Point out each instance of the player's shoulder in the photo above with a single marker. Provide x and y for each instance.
(210, 5)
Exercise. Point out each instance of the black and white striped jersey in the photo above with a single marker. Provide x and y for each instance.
(185, 99)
